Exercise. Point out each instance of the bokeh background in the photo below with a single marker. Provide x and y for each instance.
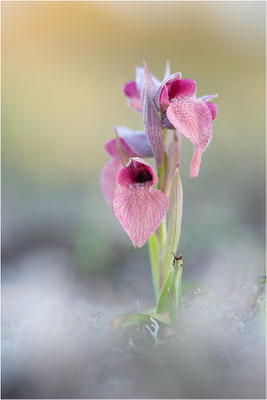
(63, 68)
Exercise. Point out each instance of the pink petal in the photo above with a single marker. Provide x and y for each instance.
(182, 87)
(112, 149)
(136, 104)
(152, 120)
(195, 163)
(137, 171)
(140, 210)
(213, 109)
(161, 95)
(137, 141)
(130, 89)
(192, 118)
(108, 179)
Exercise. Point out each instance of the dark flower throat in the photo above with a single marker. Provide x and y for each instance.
(143, 176)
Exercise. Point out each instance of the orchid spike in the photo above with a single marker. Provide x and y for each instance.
(139, 208)
(151, 118)
(185, 112)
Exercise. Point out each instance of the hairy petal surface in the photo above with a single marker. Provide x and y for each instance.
(140, 210)
(192, 118)
(213, 109)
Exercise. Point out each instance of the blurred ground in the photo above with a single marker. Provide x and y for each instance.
(63, 253)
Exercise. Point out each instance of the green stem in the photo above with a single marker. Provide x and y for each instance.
(162, 236)
(161, 176)
(154, 260)
(174, 223)
(162, 229)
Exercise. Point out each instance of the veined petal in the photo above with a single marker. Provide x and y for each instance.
(108, 179)
(137, 141)
(192, 118)
(196, 161)
(139, 79)
(152, 120)
(140, 210)
(213, 109)
(161, 95)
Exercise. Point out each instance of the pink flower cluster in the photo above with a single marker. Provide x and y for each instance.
(127, 180)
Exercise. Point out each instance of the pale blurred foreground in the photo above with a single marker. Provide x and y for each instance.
(56, 322)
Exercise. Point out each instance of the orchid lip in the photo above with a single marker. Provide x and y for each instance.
(139, 208)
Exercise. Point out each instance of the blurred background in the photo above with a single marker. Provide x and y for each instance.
(63, 68)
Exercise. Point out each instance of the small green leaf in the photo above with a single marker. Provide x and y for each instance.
(170, 300)
(128, 320)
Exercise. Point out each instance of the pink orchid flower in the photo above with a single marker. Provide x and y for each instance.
(188, 114)
(139, 208)
(133, 143)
